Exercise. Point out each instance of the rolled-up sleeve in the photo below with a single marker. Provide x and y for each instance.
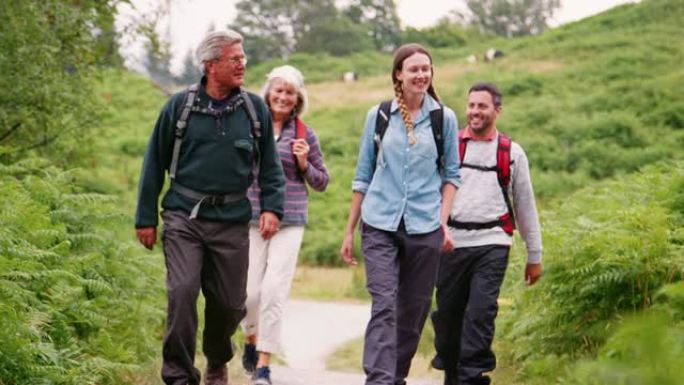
(365, 164)
(451, 172)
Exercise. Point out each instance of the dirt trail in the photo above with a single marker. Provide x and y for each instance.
(311, 332)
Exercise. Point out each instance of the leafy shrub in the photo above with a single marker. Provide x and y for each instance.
(76, 304)
(609, 251)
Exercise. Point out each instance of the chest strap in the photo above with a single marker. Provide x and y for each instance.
(202, 198)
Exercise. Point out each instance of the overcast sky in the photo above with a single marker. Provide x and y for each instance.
(190, 19)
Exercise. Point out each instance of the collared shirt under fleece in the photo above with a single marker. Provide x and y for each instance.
(405, 182)
(296, 193)
(479, 199)
(216, 157)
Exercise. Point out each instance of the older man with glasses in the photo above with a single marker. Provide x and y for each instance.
(208, 138)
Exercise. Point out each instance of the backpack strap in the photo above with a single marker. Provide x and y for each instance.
(256, 125)
(503, 173)
(382, 120)
(462, 143)
(181, 125)
(437, 124)
(300, 129)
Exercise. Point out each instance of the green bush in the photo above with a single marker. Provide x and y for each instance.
(77, 306)
(609, 250)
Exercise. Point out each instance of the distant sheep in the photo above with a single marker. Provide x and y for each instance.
(349, 77)
(472, 59)
(492, 54)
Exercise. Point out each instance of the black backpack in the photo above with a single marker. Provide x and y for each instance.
(436, 122)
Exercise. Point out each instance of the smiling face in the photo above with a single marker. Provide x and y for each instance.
(228, 71)
(282, 99)
(415, 74)
(482, 113)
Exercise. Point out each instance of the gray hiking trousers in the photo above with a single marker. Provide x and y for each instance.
(401, 270)
(213, 256)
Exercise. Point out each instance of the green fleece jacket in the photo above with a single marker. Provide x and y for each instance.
(216, 158)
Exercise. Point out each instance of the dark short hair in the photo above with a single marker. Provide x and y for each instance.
(491, 88)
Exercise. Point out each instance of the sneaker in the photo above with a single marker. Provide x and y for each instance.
(216, 375)
(249, 358)
(262, 376)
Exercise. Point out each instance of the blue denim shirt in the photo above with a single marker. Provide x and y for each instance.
(405, 182)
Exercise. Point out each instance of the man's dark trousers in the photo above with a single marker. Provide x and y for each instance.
(468, 287)
(400, 275)
(215, 257)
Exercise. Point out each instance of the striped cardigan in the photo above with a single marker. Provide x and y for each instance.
(296, 193)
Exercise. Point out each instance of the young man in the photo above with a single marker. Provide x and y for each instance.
(208, 140)
(496, 194)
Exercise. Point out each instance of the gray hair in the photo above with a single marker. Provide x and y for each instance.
(213, 43)
(292, 76)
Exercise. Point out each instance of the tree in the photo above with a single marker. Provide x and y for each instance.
(271, 27)
(336, 35)
(512, 17)
(191, 72)
(278, 28)
(49, 53)
(444, 34)
(380, 17)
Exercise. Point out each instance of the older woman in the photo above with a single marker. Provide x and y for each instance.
(402, 241)
(272, 260)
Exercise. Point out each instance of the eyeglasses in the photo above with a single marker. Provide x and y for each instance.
(234, 60)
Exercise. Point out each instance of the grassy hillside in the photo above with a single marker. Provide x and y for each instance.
(594, 99)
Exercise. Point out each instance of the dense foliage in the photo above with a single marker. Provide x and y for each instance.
(75, 301)
(49, 49)
(610, 250)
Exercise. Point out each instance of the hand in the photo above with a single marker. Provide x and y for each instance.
(448, 243)
(532, 273)
(147, 236)
(300, 149)
(347, 250)
(269, 224)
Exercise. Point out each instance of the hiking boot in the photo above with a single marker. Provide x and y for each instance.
(249, 358)
(262, 376)
(216, 375)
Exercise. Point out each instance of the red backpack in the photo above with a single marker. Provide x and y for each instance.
(503, 173)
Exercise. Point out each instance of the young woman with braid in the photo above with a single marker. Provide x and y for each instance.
(403, 200)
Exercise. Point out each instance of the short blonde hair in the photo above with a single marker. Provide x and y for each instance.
(292, 76)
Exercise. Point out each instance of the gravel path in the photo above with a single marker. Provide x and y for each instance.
(311, 332)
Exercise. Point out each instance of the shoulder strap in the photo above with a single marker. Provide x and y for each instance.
(503, 160)
(300, 129)
(462, 143)
(381, 123)
(437, 124)
(256, 125)
(251, 112)
(181, 125)
(503, 172)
